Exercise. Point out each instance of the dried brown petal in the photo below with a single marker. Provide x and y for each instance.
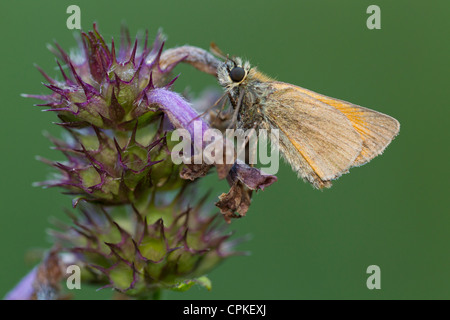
(223, 170)
(253, 178)
(237, 200)
(194, 171)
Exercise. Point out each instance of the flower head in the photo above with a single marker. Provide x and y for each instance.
(141, 224)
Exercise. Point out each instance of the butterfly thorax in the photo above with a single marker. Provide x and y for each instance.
(244, 82)
(255, 89)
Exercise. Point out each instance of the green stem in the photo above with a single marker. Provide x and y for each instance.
(156, 295)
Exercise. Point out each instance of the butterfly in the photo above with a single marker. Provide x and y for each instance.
(319, 136)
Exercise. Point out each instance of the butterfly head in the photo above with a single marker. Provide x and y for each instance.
(233, 73)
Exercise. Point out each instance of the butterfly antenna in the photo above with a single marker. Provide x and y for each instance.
(217, 52)
(209, 108)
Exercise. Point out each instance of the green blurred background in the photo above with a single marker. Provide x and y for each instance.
(305, 244)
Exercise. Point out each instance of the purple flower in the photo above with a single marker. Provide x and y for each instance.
(253, 178)
(24, 289)
(180, 112)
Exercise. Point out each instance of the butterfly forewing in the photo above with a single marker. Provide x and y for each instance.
(376, 129)
(317, 140)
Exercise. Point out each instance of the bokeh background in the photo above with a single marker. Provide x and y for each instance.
(304, 243)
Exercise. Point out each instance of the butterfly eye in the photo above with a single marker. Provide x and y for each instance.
(237, 74)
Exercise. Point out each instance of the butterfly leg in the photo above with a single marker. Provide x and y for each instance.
(236, 110)
(209, 108)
